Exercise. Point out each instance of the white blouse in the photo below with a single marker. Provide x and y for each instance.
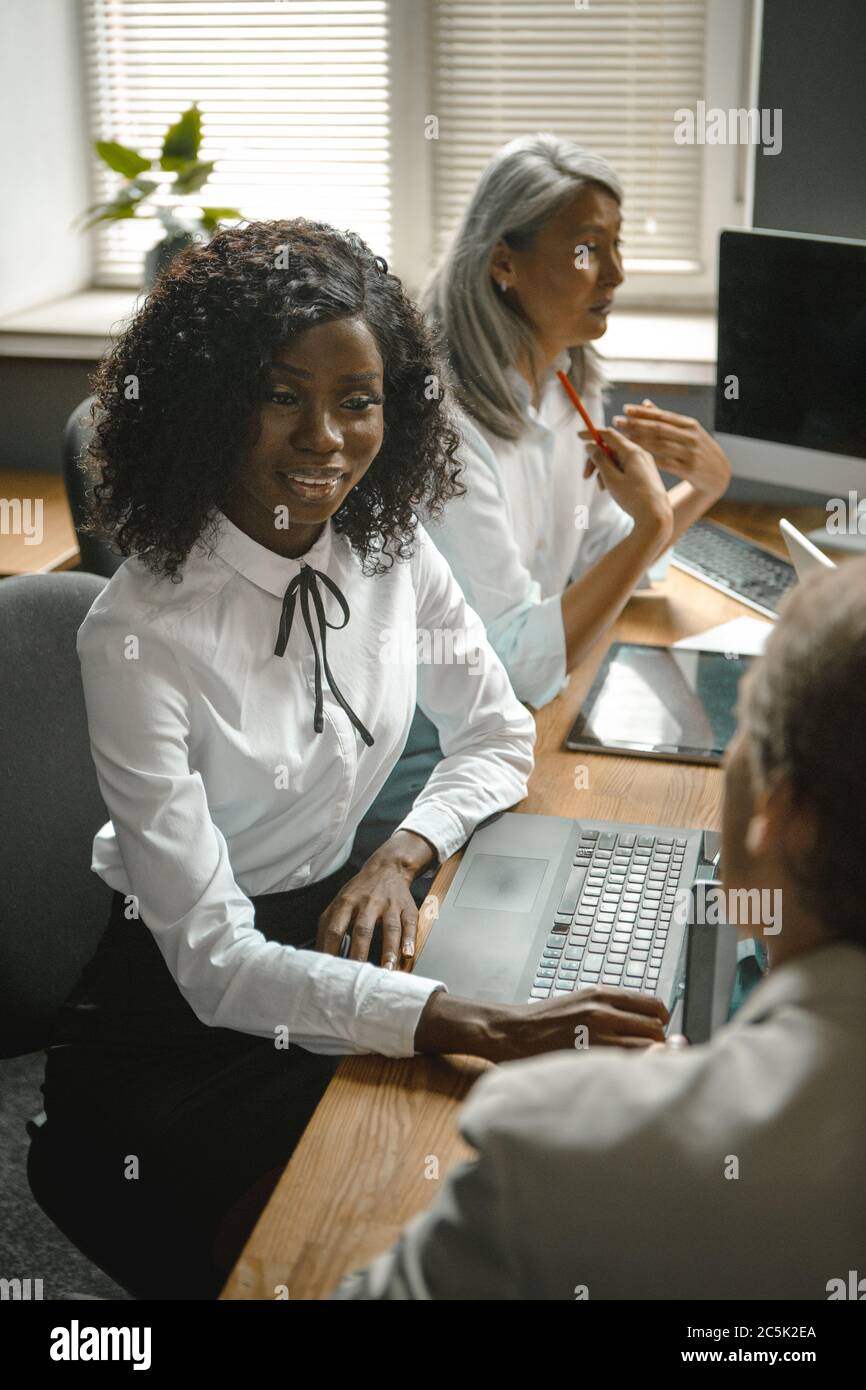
(528, 525)
(219, 788)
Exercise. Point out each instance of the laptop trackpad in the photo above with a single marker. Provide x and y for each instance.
(501, 883)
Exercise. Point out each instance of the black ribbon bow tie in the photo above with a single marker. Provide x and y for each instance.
(305, 585)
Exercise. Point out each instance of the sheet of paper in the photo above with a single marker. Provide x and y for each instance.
(744, 635)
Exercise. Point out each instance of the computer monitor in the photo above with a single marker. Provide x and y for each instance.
(791, 379)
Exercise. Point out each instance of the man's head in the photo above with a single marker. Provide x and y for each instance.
(795, 773)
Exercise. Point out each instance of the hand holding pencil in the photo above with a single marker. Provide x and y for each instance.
(631, 478)
(570, 391)
(626, 470)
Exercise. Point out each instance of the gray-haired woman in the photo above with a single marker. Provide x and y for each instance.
(552, 536)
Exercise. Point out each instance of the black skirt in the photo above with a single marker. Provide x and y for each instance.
(157, 1122)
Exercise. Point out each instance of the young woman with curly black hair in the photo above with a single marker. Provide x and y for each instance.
(266, 431)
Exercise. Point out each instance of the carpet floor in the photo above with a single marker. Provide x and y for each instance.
(31, 1246)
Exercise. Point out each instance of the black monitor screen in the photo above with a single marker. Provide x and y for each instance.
(792, 335)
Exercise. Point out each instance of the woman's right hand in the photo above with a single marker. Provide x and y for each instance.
(595, 1016)
(636, 484)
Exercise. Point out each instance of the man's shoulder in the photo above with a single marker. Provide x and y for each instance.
(551, 1098)
(603, 1096)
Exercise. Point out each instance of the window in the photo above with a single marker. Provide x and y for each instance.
(609, 74)
(323, 109)
(294, 101)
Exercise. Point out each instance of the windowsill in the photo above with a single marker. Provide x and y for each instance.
(76, 327)
(669, 347)
(641, 345)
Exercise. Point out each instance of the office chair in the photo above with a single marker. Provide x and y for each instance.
(97, 556)
(53, 909)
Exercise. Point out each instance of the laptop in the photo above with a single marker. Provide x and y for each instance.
(711, 970)
(806, 558)
(747, 571)
(544, 905)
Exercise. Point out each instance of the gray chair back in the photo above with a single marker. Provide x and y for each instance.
(97, 556)
(53, 909)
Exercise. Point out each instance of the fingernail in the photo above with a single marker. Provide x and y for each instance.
(647, 401)
(390, 962)
(409, 948)
(619, 420)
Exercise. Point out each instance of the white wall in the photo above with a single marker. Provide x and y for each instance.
(44, 175)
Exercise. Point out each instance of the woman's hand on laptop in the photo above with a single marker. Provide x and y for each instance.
(591, 1017)
(379, 892)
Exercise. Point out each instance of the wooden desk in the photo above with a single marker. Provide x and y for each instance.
(359, 1173)
(58, 549)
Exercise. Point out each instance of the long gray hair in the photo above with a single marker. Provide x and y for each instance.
(524, 184)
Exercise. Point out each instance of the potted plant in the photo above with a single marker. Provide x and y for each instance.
(160, 188)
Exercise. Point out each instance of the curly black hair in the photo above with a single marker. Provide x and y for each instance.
(177, 394)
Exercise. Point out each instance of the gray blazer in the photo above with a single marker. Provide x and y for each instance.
(732, 1170)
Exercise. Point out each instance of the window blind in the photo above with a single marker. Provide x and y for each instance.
(294, 103)
(609, 75)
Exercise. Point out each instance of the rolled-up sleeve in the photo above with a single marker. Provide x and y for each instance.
(477, 539)
(176, 864)
(486, 735)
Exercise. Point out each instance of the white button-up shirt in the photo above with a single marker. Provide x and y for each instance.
(528, 524)
(218, 788)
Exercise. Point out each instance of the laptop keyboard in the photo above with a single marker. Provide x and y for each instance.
(734, 565)
(615, 914)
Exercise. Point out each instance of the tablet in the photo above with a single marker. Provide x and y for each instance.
(661, 702)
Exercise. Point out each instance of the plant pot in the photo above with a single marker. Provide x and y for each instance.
(162, 254)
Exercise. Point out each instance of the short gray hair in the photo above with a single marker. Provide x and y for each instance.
(524, 184)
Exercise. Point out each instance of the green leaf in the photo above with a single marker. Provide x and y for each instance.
(144, 186)
(210, 217)
(122, 205)
(182, 140)
(117, 213)
(121, 159)
(190, 179)
(112, 212)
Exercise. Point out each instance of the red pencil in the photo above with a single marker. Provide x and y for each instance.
(581, 409)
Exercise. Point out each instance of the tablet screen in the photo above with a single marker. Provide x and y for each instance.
(662, 700)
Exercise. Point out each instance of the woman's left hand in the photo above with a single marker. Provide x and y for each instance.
(380, 892)
(679, 445)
